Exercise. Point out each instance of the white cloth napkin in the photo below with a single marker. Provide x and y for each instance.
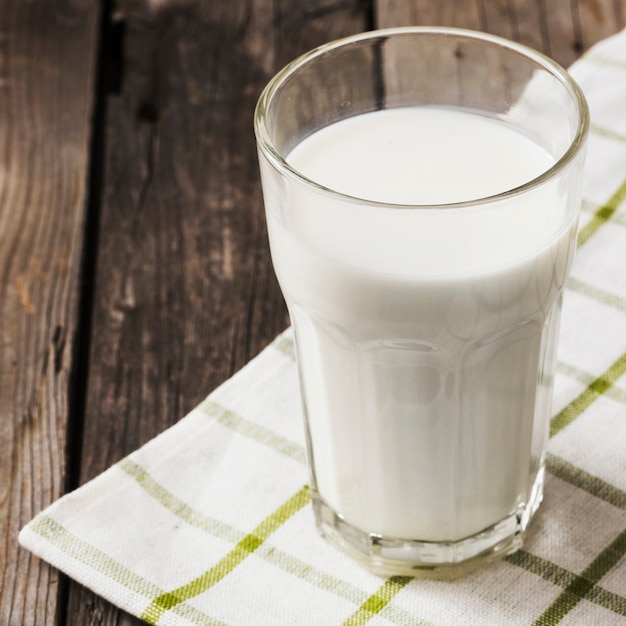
(209, 522)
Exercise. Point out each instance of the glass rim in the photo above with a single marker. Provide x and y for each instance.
(269, 150)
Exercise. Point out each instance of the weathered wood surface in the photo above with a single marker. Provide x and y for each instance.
(562, 29)
(47, 71)
(186, 294)
(178, 290)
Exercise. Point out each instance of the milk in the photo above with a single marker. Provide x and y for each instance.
(425, 336)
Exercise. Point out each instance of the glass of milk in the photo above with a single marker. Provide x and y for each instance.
(422, 190)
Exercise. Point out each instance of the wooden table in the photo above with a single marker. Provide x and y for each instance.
(134, 269)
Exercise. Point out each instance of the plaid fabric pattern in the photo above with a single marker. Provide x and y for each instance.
(209, 522)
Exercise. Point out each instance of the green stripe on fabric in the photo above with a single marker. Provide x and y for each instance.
(615, 393)
(587, 482)
(270, 554)
(587, 206)
(602, 215)
(285, 345)
(582, 585)
(82, 551)
(607, 600)
(176, 506)
(78, 549)
(253, 431)
(330, 584)
(378, 601)
(166, 601)
(597, 294)
(594, 390)
(606, 132)
(563, 578)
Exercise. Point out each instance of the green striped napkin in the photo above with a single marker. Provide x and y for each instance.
(209, 523)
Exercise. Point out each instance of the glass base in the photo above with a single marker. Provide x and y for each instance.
(390, 556)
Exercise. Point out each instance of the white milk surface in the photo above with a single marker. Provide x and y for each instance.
(425, 336)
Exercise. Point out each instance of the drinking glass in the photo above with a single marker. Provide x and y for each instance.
(425, 332)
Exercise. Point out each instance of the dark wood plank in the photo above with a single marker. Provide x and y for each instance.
(47, 59)
(186, 294)
(562, 29)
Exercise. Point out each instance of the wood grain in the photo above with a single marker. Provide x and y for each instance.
(185, 291)
(47, 56)
(562, 29)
